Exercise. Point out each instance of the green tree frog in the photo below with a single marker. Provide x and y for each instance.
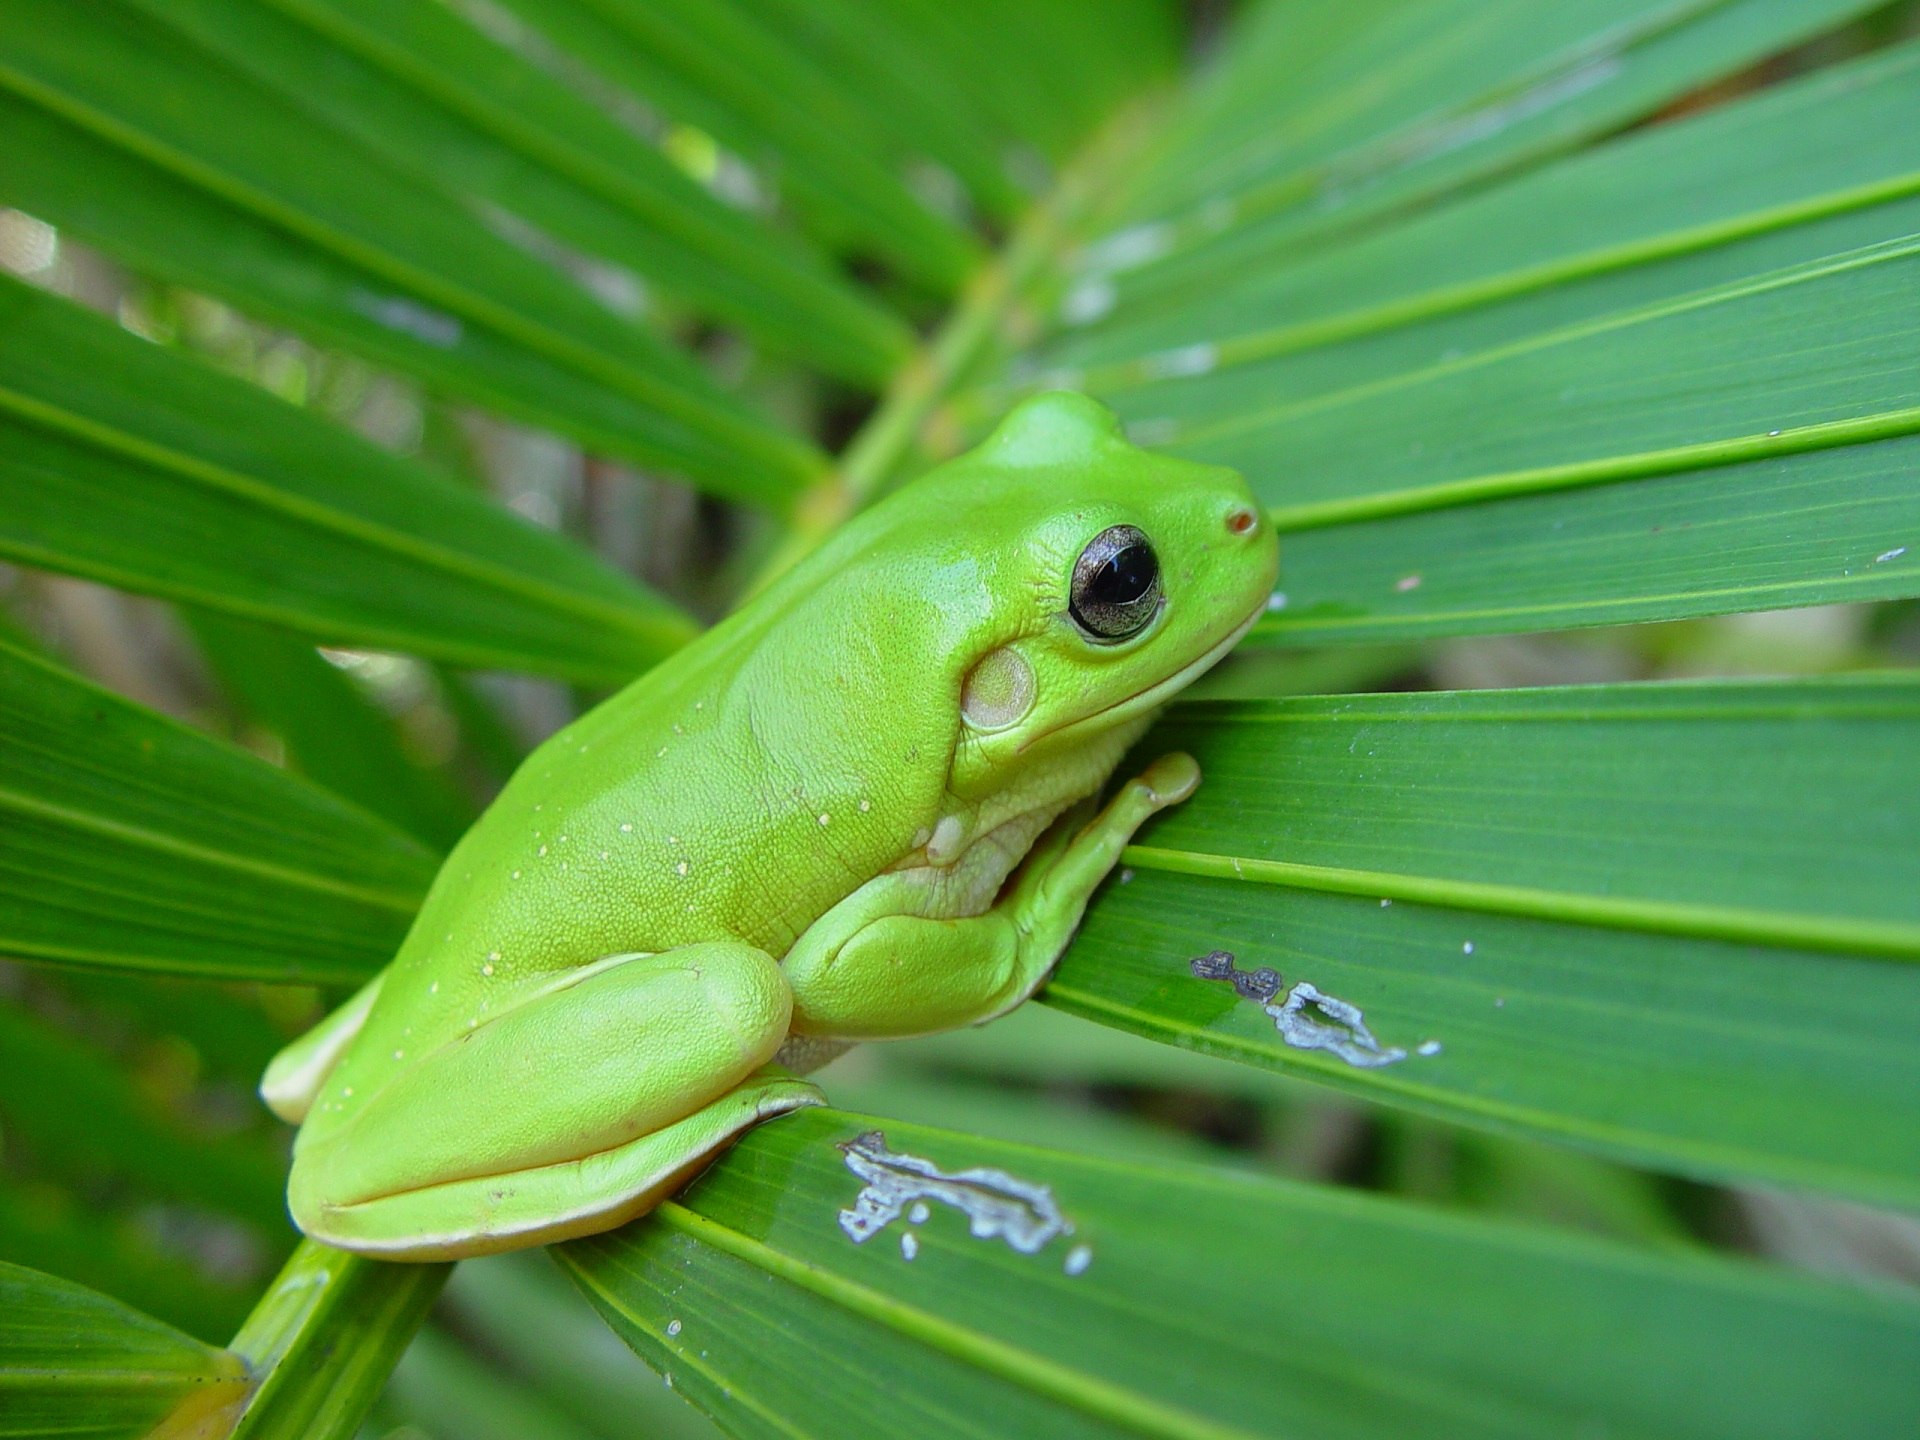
(861, 808)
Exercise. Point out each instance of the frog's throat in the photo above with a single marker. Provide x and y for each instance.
(1156, 694)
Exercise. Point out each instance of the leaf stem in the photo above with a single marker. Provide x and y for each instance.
(323, 1339)
(988, 317)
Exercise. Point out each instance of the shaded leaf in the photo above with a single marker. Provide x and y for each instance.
(142, 469)
(714, 66)
(1272, 1309)
(335, 734)
(438, 100)
(77, 1363)
(131, 841)
(520, 1308)
(55, 1232)
(79, 1114)
(136, 139)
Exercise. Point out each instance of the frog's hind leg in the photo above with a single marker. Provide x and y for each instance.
(573, 1111)
(295, 1075)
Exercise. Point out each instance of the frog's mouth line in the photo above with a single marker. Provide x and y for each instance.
(1160, 690)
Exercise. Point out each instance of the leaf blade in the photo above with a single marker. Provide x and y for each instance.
(1395, 1319)
(151, 472)
(76, 1362)
(135, 843)
(1692, 955)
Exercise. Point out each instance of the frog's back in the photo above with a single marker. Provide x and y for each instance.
(654, 820)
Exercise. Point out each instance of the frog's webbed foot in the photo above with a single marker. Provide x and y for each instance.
(572, 1113)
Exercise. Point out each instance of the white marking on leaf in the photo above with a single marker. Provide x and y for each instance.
(1312, 1020)
(997, 1205)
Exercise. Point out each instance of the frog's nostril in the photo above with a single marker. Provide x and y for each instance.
(1242, 521)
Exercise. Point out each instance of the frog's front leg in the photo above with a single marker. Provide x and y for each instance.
(568, 1112)
(871, 968)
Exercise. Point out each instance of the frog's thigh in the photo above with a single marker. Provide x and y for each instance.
(569, 1113)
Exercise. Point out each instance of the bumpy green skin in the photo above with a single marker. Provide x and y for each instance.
(801, 826)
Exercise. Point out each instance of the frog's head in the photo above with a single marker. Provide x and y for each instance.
(1089, 580)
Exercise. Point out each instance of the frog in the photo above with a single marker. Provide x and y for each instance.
(866, 806)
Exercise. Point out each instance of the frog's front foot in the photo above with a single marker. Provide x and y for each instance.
(572, 1112)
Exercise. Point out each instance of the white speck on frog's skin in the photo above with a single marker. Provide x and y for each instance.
(673, 1327)
(909, 1244)
(626, 828)
(824, 819)
(681, 868)
(997, 1205)
(865, 806)
(1078, 1259)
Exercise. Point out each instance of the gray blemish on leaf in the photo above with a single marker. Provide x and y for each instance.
(997, 1205)
(1308, 1018)
(1078, 1259)
(1258, 985)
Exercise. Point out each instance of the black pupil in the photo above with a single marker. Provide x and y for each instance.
(1127, 575)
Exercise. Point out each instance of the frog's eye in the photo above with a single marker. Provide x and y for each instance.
(1116, 584)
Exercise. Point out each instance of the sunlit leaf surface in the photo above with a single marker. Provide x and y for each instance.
(1668, 921)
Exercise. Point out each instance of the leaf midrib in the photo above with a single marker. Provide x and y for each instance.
(1087, 1394)
(1778, 929)
(210, 475)
(154, 840)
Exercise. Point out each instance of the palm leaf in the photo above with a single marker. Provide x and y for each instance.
(74, 1362)
(131, 841)
(749, 1295)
